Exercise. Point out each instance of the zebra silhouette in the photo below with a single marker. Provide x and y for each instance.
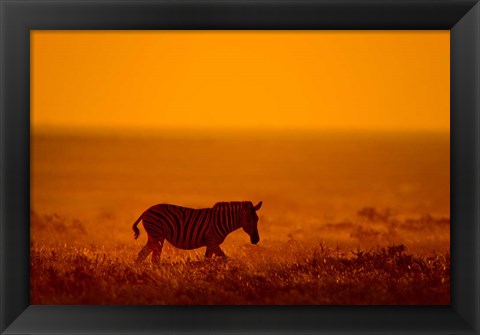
(189, 228)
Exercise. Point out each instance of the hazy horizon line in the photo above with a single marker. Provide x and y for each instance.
(141, 131)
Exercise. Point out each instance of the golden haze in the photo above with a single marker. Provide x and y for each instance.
(344, 136)
(367, 80)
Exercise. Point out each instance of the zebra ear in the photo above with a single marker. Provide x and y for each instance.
(257, 206)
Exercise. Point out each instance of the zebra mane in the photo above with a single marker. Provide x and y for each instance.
(238, 204)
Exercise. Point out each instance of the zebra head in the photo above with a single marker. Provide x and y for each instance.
(250, 220)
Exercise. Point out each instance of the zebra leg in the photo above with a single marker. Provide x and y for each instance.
(156, 247)
(219, 252)
(143, 254)
(214, 250)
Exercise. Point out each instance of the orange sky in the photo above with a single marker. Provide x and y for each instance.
(367, 80)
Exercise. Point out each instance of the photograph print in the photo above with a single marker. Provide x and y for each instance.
(240, 167)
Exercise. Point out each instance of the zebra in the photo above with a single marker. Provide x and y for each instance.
(189, 228)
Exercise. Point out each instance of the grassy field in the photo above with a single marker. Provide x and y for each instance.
(346, 218)
(274, 272)
(315, 276)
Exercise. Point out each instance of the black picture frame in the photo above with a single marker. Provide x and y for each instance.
(18, 17)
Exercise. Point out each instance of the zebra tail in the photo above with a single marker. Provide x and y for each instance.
(136, 231)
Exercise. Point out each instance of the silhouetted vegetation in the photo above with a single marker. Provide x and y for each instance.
(382, 275)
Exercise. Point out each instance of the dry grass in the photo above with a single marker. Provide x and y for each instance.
(336, 211)
(317, 275)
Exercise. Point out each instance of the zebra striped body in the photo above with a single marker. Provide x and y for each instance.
(188, 228)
